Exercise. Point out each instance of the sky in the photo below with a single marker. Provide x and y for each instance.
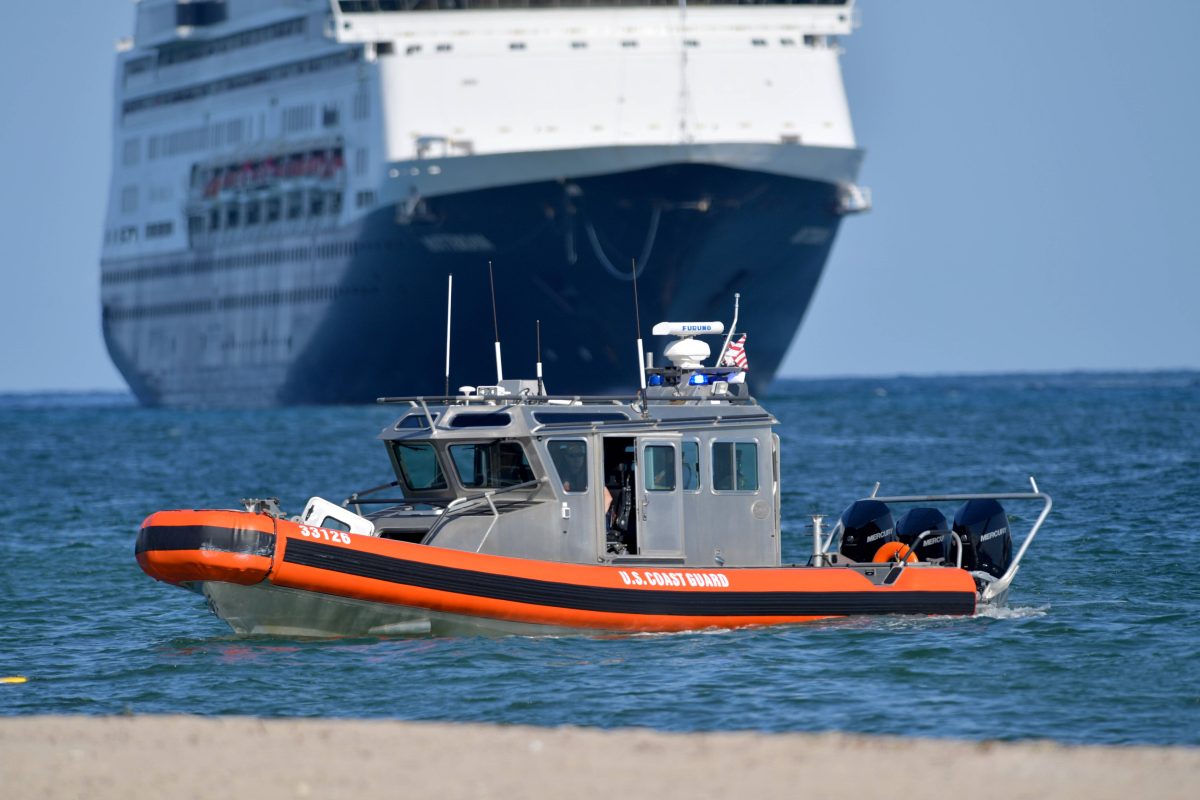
(1033, 165)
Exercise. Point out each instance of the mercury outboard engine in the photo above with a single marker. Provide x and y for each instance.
(987, 542)
(935, 546)
(866, 526)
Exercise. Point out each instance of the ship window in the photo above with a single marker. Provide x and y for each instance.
(759, 42)
(129, 199)
(691, 43)
(200, 13)
(491, 465)
(316, 204)
(273, 207)
(253, 212)
(385, 48)
(691, 466)
(570, 462)
(412, 49)
(329, 116)
(578, 45)
(335, 203)
(295, 205)
(629, 43)
(494, 420)
(445, 48)
(516, 45)
(418, 466)
(232, 215)
(214, 219)
(735, 466)
(786, 42)
(157, 230)
(131, 151)
(660, 468)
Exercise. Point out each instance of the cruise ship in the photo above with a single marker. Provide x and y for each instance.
(294, 180)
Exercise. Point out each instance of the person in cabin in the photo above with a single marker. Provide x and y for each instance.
(570, 459)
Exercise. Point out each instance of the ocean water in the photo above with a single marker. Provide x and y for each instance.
(1100, 642)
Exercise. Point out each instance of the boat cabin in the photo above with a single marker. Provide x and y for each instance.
(684, 473)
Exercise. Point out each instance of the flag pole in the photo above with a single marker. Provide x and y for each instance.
(737, 299)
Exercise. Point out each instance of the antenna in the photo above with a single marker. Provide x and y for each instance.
(737, 301)
(637, 315)
(495, 325)
(449, 300)
(541, 385)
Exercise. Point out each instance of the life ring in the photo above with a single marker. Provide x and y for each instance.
(892, 552)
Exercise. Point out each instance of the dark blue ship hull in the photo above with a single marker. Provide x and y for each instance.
(562, 254)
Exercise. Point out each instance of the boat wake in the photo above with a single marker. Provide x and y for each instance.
(1012, 612)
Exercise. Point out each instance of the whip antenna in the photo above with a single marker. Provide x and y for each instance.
(449, 300)
(637, 315)
(495, 326)
(541, 385)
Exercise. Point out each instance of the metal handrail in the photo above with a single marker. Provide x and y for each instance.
(1001, 584)
(532, 399)
(995, 586)
(456, 506)
(356, 496)
(902, 556)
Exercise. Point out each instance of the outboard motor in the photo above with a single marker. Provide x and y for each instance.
(987, 542)
(866, 526)
(935, 546)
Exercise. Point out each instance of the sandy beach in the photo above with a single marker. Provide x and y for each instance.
(186, 757)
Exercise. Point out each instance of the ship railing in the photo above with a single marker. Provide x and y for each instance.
(995, 587)
(461, 506)
(358, 498)
(563, 399)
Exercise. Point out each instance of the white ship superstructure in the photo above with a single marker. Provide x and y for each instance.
(293, 179)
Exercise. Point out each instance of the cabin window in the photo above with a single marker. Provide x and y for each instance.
(490, 465)
(660, 468)
(419, 421)
(735, 466)
(571, 463)
(577, 417)
(494, 420)
(691, 466)
(418, 465)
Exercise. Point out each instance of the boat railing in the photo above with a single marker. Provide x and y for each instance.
(995, 587)
(463, 505)
(417, 401)
(357, 498)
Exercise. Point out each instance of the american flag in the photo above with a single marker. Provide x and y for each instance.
(735, 354)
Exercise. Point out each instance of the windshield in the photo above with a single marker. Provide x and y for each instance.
(418, 466)
(490, 465)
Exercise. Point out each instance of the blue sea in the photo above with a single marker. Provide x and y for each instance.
(1100, 642)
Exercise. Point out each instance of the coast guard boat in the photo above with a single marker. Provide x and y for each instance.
(525, 512)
